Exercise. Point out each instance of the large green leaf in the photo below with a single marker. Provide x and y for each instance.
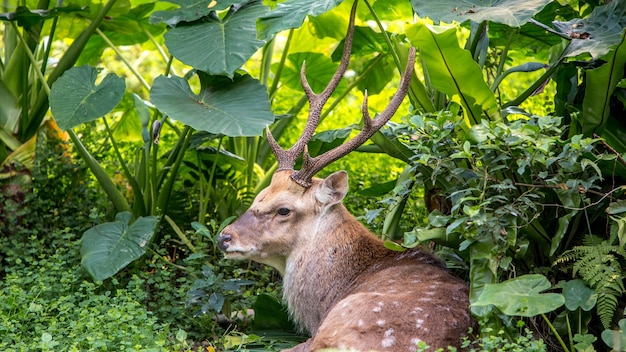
(521, 296)
(510, 12)
(107, 248)
(452, 70)
(234, 108)
(75, 98)
(596, 34)
(600, 85)
(218, 46)
(291, 14)
(190, 10)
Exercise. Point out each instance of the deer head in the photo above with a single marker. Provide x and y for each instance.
(289, 201)
(339, 281)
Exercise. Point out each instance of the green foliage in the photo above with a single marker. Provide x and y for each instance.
(109, 247)
(49, 305)
(521, 296)
(598, 263)
(211, 291)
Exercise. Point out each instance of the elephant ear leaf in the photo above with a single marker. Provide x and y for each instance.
(75, 98)
(521, 296)
(107, 248)
(237, 107)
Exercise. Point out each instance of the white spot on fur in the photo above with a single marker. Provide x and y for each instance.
(424, 299)
(419, 323)
(360, 323)
(396, 304)
(389, 339)
(415, 341)
(377, 309)
(431, 293)
(380, 322)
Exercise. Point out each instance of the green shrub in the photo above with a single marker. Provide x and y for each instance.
(50, 304)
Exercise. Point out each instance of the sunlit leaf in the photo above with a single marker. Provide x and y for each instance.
(452, 69)
(291, 14)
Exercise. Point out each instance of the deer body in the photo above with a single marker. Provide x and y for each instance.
(339, 282)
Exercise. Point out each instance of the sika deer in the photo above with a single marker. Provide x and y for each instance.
(339, 282)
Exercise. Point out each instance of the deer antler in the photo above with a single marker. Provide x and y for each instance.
(310, 166)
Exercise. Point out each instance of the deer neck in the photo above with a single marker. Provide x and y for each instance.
(321, 271)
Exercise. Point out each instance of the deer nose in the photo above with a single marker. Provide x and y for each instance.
(223, 241)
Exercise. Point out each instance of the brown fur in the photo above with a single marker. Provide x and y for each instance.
(339, 282)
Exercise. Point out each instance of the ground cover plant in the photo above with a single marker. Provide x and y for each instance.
(508, 161)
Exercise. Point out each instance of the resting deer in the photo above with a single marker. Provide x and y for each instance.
(339, 281)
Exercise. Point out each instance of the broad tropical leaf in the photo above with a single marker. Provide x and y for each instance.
(521, 296)
(234, 108)
(452, 70)
(596, 34)
(75, 98)
(291, 14)
(218, 46)
(600, 85)
(513, 13)
(190, 10)
(107, 248)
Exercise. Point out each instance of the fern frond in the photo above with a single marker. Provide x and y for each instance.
(599, 267)
(606, 307)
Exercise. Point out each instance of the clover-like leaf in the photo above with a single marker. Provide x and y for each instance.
(218, 46)
(75, 98)
(521, 296)
(238, 107)
(510, 12)
(109, 247)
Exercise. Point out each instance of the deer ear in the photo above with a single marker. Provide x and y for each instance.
(333, 188)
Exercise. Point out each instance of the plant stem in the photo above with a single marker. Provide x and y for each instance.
(115, 196)
(32, 59)
(139, 203)
(556, 334)
(121, 57)
(281, 65)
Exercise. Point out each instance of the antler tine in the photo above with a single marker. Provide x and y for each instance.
(287, 158)
(312, 165)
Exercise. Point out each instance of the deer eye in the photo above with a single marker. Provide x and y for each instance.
(283, 211)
